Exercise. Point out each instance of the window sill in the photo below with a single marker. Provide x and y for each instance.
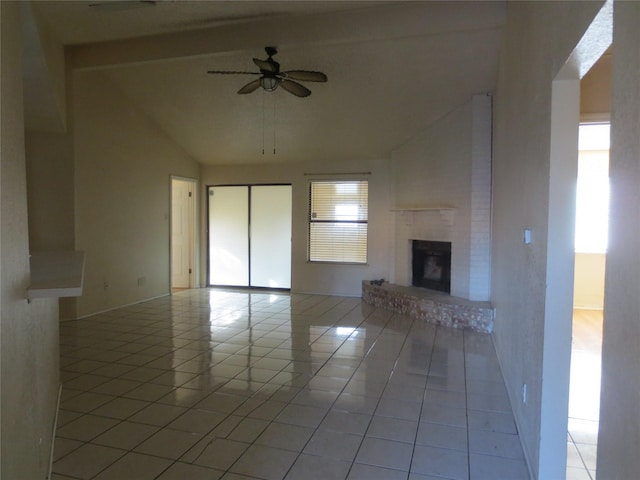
(319, 262)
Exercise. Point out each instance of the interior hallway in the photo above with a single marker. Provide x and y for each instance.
(235, 385)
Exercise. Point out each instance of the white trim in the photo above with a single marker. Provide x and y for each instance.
(558, 308)
(137, 302)
(194, 278)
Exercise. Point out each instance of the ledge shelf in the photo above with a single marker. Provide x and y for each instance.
(446, 212)
(422, 209)
(56, 274)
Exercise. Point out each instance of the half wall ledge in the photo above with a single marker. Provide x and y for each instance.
(56, 274)
(430, 306)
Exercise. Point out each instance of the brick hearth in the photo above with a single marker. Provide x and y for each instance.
(430, 306)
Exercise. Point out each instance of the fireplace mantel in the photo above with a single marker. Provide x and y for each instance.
(421, 209)
(446, 212)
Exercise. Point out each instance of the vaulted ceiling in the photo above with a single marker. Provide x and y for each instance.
(393, 68)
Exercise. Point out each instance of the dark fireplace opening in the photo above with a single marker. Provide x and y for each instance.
(431, 265)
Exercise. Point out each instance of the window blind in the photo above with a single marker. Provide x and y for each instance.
(338, 221)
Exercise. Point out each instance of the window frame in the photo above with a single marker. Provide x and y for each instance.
(311, 220)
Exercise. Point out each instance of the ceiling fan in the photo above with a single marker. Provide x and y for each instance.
(271, 77)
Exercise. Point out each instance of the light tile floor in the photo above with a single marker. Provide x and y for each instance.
(213, 384)
(584, 395)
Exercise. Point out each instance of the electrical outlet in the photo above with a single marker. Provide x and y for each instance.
(105, 285)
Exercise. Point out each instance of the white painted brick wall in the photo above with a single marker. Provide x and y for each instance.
(480, 228)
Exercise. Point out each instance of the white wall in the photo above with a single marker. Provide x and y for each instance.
(44, 74)
(50, 196)
(50, 174)
(620, 391)
(539, 37)
(306, 277)
(29, 332)
(588, 290)
(123, 165)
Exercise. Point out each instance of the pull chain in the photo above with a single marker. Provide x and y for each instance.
(274, 124)
(264, 94)
(263, 100)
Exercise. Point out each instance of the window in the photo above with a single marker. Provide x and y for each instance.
(338, 218)
(592, 202)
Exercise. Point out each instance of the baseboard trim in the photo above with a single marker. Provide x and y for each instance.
(137, 302)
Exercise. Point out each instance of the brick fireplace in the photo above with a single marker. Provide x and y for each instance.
(442, 193)
(417, 298)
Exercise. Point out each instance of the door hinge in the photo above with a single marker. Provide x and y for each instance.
(189, 271)
(189, 193)
(211, 193)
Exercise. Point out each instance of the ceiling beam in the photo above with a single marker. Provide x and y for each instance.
(395, 20)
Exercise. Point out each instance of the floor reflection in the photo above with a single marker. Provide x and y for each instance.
(212, 384)
(584, 395)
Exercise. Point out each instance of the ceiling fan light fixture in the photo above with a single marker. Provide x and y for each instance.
(269, 84)
(270, 77)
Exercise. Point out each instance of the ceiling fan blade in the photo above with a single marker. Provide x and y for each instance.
(295, 88)
(265, 65)
(305, 75)
(232, 72)
(250, 87)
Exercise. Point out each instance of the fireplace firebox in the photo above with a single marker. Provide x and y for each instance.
(431, 265)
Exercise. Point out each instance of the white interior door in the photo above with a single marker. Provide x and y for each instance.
(229, 236)
(182, 232)
(250, 236)
(271, 236)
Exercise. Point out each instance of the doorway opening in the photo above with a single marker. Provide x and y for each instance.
(592, 205)
(566, 112)
(183, 234)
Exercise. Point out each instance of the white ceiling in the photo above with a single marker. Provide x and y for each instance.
(393, 68)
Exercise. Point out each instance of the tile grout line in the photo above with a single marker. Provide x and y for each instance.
(341, 391)
(466, 402)
(385, 358)
(415, 439)
(325, 415)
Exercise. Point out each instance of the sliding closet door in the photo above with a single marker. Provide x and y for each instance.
(229, 236)
(271, 236)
